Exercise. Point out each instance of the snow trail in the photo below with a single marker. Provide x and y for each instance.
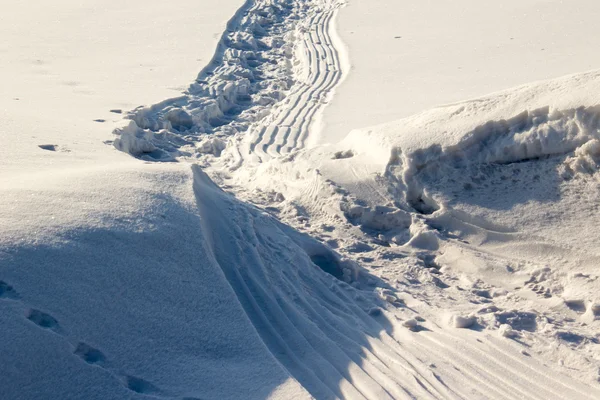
(293, 119)
(273, 71)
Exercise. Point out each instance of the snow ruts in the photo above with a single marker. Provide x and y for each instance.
(291, 120)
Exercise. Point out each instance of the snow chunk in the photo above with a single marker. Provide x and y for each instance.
(211, 145)
(379, 218)
(133, 141)
(410, 323)
(507, 331)
(460, 322)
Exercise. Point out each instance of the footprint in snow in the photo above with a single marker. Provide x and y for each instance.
(42, 319)
(8, 292)
(89, 354)
(49, 147)
(53, 147)
(534, 285)
(140, 385)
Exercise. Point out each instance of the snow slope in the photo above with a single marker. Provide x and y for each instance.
(127, 309)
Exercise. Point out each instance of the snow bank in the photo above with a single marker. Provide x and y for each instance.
(129, 303)
(554, 118)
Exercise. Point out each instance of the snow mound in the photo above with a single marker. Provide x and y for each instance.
(488, 202)
(202, 285)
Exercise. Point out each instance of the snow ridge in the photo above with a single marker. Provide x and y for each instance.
(528, 136)
(272, 70)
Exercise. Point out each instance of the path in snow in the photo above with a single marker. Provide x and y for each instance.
(273, 71)
(291, 120)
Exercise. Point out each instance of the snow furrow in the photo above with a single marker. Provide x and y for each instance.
(333, 78)
(324, 68)
(305, 117)
(492, 369)
(468, 369)
(458, 374)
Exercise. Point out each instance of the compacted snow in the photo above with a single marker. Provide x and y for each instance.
(213, 247)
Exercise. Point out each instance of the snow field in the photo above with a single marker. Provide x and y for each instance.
(447, 255)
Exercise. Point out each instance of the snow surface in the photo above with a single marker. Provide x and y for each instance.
(409, 56)
(223, 253)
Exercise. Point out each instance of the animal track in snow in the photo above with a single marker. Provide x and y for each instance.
(53, 147)
(49, 147)
(535, 285)
(89, 354)
(140, 385)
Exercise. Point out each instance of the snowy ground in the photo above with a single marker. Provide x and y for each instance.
(409, 56)
(224, 253)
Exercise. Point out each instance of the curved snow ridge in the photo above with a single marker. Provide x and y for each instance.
(258, 78)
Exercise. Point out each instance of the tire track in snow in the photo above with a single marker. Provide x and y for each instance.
(467, 385)
(257, 91)
(271, 75)
(567, 385)
(471, 372)
(334, 79)
(289, 126)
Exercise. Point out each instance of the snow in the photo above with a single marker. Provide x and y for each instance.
(174, 225)
(408, 57)
(460, 322)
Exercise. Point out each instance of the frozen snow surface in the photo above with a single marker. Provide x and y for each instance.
(225, 252)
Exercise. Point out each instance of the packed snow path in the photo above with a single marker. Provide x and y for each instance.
(289, 125)
(273, 71)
